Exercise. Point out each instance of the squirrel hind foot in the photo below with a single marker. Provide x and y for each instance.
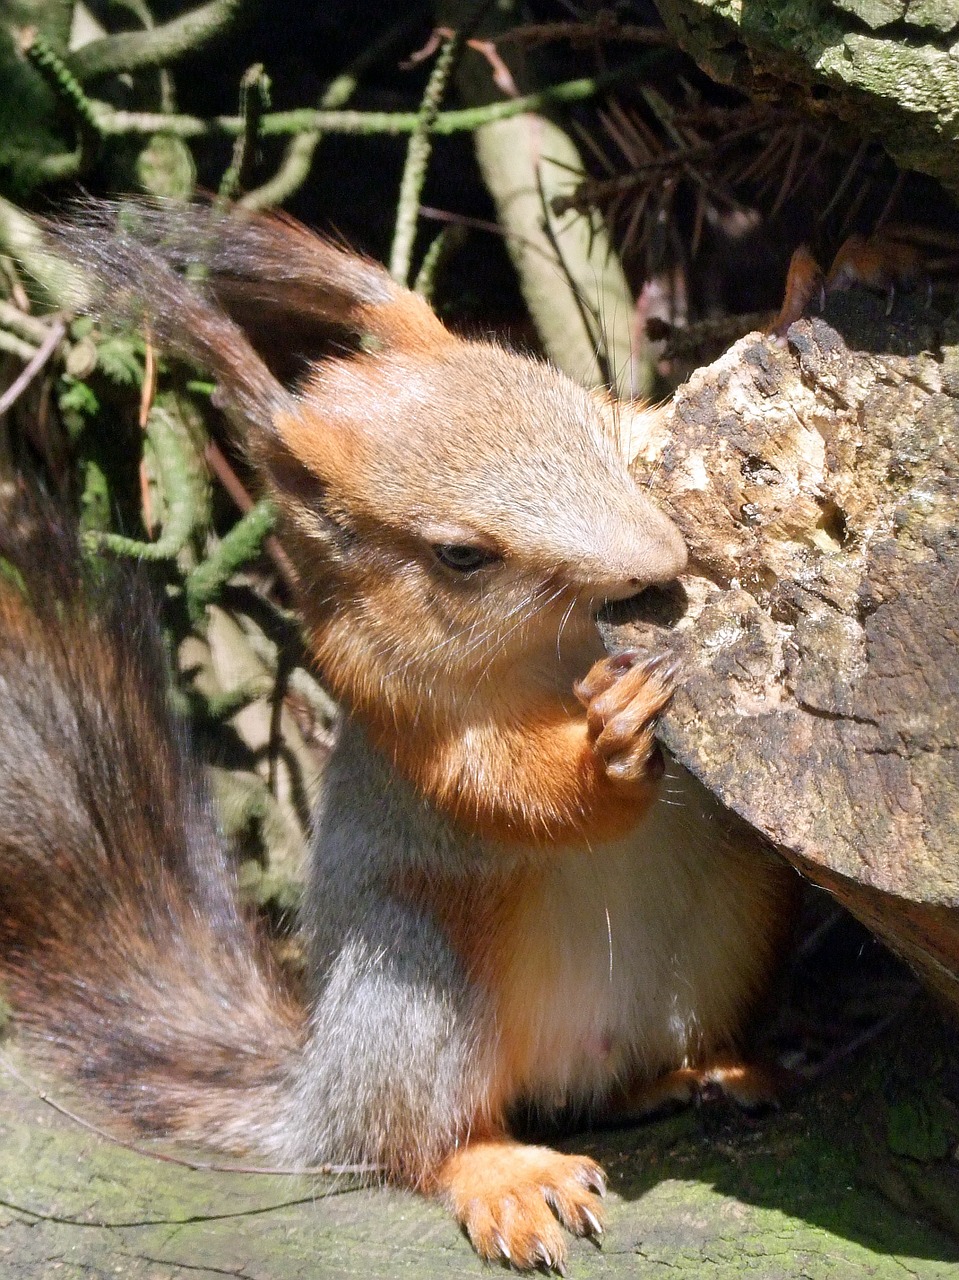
(753, 1087)
(512, 1199)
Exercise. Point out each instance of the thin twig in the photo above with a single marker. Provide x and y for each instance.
(502, 76)
(130, 50)
(594, 191)
(43, 354)
(483, 224)
(114, 123)
(11, 345)
(285, 662)
(58, 76)
(861, 152)
(15, 284)
(417, 159)
(147, 396)
(254, 101)
(65, 85)
(297, 160)
(22, 322)
(143, 15)
(218, 464)
(788, 182)
(592, 323)
(603, 28)
(441, 247)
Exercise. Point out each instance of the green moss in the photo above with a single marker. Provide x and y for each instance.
(812, 1193)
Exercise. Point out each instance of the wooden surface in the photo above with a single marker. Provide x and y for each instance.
(817, 485)
(885, 67)
(802, 1195)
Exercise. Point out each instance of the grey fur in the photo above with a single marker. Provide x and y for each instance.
(395, 1028)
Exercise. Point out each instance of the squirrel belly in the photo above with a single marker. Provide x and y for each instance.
(600, 965)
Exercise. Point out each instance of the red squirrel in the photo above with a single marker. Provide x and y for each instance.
(499, 909)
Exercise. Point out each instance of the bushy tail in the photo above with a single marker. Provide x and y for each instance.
(121, 943)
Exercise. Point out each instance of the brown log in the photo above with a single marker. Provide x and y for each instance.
(817, 486)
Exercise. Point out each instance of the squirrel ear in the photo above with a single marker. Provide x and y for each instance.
(294, 483)
(129, 282)
(635, 426)
(316, 514)
(257, 300)
(305, 455)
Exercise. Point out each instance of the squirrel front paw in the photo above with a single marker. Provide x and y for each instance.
(623, 695)
(511, 1199)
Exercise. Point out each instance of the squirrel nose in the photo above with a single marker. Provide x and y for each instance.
(666, 555)
(659, 557)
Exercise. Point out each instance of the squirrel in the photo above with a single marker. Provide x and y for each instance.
(500, 911)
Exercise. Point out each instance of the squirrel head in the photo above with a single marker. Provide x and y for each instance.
(462, 505)
(454, 511)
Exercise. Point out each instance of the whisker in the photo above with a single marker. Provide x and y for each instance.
(536, 607)
(524, 604)
(562, 623)
(454, 637)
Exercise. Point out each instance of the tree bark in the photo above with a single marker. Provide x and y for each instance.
(817, 486)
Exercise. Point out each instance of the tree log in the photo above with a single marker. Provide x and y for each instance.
(817, 486)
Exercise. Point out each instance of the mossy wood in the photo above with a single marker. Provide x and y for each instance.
(799, 1196)
(817, 485)
(886, 67)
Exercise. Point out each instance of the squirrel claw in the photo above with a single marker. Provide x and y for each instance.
(502, 1247)
(623, 695)
(603, 675)
(512, 1201)
(594, 1224)
(542, 1256)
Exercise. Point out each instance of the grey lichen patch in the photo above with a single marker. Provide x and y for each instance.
(936, 15)
(874, 13)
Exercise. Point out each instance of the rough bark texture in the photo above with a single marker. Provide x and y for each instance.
(887, 67)
(817, 486)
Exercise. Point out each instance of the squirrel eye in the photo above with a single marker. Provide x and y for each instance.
(463, 558)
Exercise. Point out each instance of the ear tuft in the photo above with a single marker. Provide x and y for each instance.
(131, 283)
(254, 299)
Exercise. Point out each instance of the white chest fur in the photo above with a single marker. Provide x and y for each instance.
(632, 958)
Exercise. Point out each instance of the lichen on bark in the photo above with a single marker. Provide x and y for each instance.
(889, 69)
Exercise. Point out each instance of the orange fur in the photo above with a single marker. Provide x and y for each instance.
(750, 1085)
(511, 1199)
(536, 781)
(804, 282)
